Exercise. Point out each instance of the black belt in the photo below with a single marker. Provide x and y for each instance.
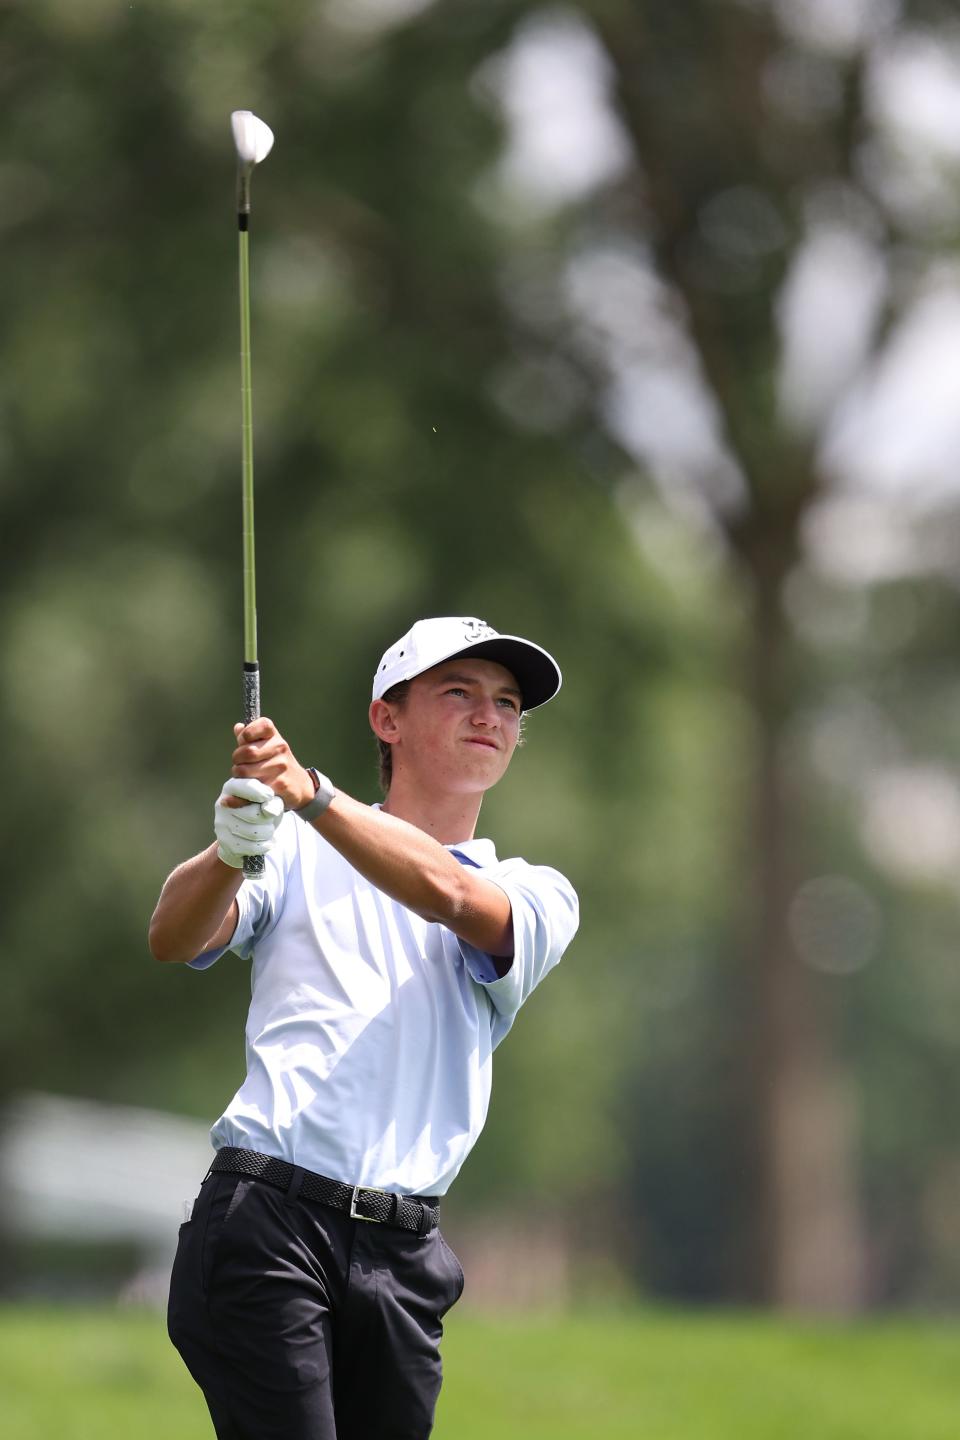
(360, 1202)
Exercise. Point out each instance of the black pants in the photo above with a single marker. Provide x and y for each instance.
(299, 1323)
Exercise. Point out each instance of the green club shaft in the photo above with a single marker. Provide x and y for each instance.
(246, 407)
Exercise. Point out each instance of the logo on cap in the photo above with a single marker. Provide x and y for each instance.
(474, 630)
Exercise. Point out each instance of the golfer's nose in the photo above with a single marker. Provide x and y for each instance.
(486, 713)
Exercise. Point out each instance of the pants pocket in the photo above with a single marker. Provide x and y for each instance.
(455, 1267)
(227, 1195)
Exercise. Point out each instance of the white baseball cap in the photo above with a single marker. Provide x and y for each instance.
(429, 642)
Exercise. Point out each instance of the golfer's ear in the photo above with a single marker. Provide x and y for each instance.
(383, 720)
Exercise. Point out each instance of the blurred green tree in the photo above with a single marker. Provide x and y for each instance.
(522, 279)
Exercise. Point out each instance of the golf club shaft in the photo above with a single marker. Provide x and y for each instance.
(252, 864)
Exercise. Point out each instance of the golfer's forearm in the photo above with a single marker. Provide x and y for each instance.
(196, 910)
(411, 867)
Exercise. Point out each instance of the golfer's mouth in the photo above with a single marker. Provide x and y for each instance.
(487, 744)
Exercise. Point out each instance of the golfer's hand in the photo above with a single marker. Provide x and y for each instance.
(245, 820)
(263, 754)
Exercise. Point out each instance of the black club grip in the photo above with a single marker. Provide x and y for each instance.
(253, 865)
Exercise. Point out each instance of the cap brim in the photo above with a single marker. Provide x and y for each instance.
(536, 672)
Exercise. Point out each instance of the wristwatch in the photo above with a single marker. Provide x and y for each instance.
(323, 793)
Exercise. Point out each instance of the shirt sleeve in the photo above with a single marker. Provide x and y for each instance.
(545, 913)
(259, 900)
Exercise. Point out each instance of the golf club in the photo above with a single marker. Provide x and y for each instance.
(253, 141)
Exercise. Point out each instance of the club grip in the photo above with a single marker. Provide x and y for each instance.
(252, 864)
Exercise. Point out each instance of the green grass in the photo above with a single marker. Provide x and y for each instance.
(97, 1374)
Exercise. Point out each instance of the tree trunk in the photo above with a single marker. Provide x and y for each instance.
(808, 1242)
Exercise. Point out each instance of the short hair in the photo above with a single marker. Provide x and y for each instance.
(394, 696)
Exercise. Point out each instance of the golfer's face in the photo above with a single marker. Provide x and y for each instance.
(460, 724)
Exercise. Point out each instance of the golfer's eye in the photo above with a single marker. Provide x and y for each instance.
(510, 704)
(456, 690)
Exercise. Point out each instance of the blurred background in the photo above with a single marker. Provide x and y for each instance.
(632, 327)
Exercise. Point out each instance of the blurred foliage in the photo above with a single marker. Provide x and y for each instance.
(433, 435)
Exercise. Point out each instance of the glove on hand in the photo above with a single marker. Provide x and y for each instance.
(248, 829)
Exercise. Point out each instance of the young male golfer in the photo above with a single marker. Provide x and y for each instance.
(391, 951)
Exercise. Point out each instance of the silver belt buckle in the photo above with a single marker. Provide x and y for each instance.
(354, 1212)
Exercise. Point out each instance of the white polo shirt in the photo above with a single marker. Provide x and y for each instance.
(370, 1034)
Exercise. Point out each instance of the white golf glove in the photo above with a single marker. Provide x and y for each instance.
(248, 829)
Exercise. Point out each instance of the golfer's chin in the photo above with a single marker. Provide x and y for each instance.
(480, 762)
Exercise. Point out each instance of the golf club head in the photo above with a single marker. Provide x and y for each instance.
(253, 141)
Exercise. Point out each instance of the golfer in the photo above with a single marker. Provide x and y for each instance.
(391, 952)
